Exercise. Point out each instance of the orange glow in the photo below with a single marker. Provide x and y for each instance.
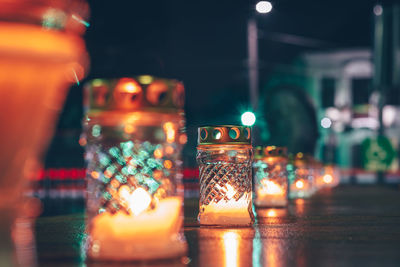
(155, 92)
(183, 139)
(95, 175)
(129, 129)
(299, 184)
(158, 153)
(231, 248)
(82, 141)
(270, 188)
(139, 201)
(124, 192)
(20, 40)
(272, 213)
(115, 183)
(169, 131)
(107, 174)
(168, 164)
(169, 150)
(327, 178)
(157, 174)
(129, 86)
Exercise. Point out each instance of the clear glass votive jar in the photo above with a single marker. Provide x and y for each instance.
(303, 184)
(330, 176)
(134, 135)
(270, 177)
(224, 156)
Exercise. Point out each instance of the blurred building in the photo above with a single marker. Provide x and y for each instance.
(347, 106)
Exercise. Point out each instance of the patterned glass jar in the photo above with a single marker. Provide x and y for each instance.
(224, 155)
(134, 135)
(303, 185)
(270, 177)
(330, 177)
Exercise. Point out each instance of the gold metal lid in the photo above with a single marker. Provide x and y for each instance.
(140, 93)
(224, 135)
(270, 151)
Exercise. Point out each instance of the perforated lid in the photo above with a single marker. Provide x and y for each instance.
(224, 134)
(143, 92)
(270, 151)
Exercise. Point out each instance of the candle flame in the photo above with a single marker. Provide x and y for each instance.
(327, 178)
(299, 184)
(137, 201)
(231, 192)
(169, 131)
(271, 188)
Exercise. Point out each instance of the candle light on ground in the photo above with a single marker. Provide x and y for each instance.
(301, 188)
(270, 194)
(144, 234)
(230, 212)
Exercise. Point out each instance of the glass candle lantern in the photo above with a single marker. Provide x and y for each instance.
(270, 177)
(224, 155)
(134, 136)
(330, 176)
(42, 53)
(303, 185)
(319, 174)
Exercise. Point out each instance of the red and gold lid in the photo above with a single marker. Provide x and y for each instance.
(270, 151)
(140, 93)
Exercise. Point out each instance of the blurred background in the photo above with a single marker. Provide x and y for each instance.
(321, 78)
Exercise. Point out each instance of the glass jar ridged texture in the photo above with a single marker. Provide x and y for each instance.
(135, 195)
(225, 183)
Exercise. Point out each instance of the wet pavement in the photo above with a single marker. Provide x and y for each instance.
(346, 226)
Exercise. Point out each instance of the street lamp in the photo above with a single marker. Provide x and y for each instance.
(263, 7)
(248, 118)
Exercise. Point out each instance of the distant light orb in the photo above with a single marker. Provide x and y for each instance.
(327, 178)
(263, 7)
(378, 10)
(248, 118)
(299, 184)
(326, 123)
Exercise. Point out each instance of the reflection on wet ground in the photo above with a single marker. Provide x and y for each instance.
(344, 227)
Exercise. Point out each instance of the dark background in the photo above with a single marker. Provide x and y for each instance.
(204, 44)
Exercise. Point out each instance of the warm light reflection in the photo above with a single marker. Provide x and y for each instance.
(158, 153)
(137, 201)
(129, 129)
(327, 178)
(169, 131)
(227, 247)
(270, 188)
(300, 184)
(231, 247)
(271, 213)
(231, 192)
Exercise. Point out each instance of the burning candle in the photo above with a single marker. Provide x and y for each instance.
(329, 177)
(123, 236)
(303, 185)
(224, 157)
(270, 177)
(133, 135)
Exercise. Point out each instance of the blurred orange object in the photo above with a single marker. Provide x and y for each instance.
(40, 46)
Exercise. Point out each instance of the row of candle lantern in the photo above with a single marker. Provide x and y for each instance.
(133, 137)
(225, 160)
